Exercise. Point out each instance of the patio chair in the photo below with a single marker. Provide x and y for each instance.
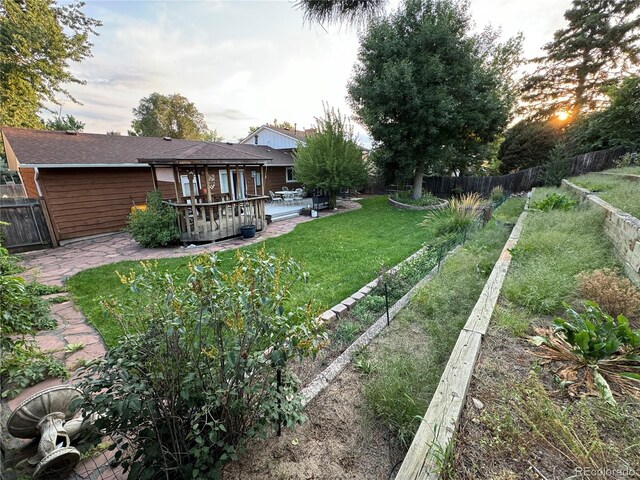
(274, 197)
(285, 189)
(288, 198)
(298, 195)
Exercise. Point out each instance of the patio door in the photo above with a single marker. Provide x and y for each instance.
(224, 184)
(242, 193)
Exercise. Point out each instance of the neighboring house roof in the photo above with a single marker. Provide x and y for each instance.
(297, 135)
(46, 148)
(279, 158)
(205, 152)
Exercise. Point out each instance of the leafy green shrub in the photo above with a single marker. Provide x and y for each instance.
(195, 376)
(8, 263)
(24, 365)
(22, 312)
(555, 201)
(595, 335)
(623, 161)
(157, 225)
(427, 200)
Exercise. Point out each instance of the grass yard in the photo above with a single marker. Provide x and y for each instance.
(405, 364)
(620, 192)
(341, 253)
(531, 425)
(635, 170)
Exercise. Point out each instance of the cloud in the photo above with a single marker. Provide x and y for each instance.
(243, 62)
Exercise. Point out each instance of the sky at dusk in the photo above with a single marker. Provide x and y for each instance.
(244, 63)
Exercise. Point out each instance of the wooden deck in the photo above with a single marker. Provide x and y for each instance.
(209, 222)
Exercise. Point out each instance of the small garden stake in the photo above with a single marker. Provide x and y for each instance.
(279, 389)
(386, 301)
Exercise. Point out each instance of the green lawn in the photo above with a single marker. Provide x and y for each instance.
(341, 253)
(635, 170)
(620, 192)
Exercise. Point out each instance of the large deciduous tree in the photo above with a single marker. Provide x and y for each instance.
(617, 125)
(331, 160)
(597, 47)
(38, 41)
(169, 116)
(431, 93)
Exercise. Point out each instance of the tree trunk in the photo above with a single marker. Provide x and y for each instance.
(417, 182)
(333, 199)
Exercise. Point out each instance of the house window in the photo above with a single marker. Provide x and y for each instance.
(290, 177)
(256, 178)
(224, 182)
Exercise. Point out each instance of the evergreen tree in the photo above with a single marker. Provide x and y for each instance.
(169, 116)
(598, 46)
(38, 40)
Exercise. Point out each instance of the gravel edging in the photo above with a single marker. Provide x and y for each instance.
(322, 380)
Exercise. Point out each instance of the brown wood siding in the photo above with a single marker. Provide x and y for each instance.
(28, 176)
(90, 201)
(277, 178)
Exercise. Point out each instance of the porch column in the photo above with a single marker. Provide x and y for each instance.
(194, 211)
(263, 179)
(229, 182)
(237, 183)
(176, 181)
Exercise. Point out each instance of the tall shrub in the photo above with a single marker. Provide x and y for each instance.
(331, 160)
(196, 373)
(157, 225)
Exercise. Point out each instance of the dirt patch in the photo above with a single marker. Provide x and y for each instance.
(526, 426)
(339, 440)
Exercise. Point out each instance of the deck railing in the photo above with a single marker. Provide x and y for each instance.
(208, 222)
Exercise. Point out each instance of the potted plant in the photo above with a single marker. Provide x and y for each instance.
(248, 229)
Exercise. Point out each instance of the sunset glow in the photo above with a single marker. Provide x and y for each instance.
(563, 115)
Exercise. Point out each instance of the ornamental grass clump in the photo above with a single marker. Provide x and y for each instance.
(202, 366)
(460, 215)
(596, 352)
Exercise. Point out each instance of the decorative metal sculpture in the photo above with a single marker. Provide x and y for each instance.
(49, 414)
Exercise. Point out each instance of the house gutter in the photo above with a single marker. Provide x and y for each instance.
(81, 165)
(35, 179)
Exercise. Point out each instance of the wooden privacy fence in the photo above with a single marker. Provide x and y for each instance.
(523, 180)
(27, 229)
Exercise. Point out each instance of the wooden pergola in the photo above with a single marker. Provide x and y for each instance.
(208, 212)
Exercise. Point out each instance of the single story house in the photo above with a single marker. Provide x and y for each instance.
(88, 182)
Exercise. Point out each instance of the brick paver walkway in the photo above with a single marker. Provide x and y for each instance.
(54, 266)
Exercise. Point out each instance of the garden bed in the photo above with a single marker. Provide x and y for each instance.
(523, 419)
(623, 193)
(361, 424)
